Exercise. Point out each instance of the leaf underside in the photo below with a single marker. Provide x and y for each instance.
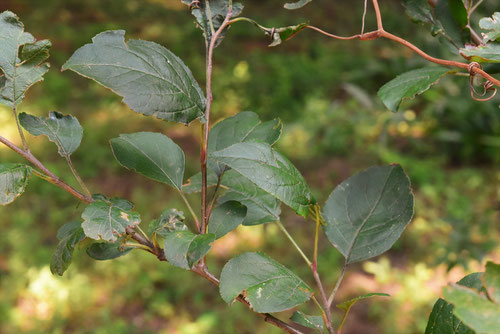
(13, 181)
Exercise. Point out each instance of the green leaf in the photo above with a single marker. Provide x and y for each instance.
(70, 234)
(491, 280)
(65, 131)
(366, 214)
(489, 53)
(346, 306)
(102, 251)
(151, 79)
(151, 154)
(266, 284)
(226, 217)
(183, 248)
(473, 309)
(442, 320)
(309, 321)
(171, 220)
(409, 84)
(280, 35)
(270, 171)
(243, 127)
(193, 184)
(13, 181)
(297, 4)
(107, 220)
(20, 71)
(419, 11)
(493, 24)
(452, 17)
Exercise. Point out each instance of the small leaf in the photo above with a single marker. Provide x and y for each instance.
(280, 35)
(270, 171)
(226, 217)
(493, 24)
(65, 131)
(151, 154)
(266, 284)
(409, 84)
(102, 251)
(151, 79)
(296, 5)
(183, 248)
(366, 214)
(193, 184)
(21, 71)
(489, 53)
(419, 11)
(70, 234)
(107, 220)
(346, 306)
(13, 181)
(309, 321)
(491, 280)
(171, 220)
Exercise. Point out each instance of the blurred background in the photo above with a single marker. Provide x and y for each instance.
(334, 126)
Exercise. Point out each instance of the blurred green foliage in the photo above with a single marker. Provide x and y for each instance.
(325, 92)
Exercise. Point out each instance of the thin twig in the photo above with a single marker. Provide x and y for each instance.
(294, 243)
(190, 208)
(77, 177)
(363, 19)
(21, 133)
(337, 285)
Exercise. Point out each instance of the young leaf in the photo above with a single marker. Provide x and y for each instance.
(193, 184)
(493, 24)
(226, 217)
(243, 127)
(107, 220)
(151, 79)
(366, 214)
(409, 84)
(346, 306)
(280, 35)
(13, 181)
(309, 321)
(151, 154)
(491, 280)
(266, 284)
(297, 4)
(70, 234)
(21, 71)
(270, 171)
(102, 251)
(489, 53)
(65, 131)
(442, 320)
(183, 248)
(171, 220)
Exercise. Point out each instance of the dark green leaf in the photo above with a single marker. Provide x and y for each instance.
(310, 321)
(266, 284)
(183, 248)
(408, 85)
(64, 131)
(171, 220)
(452, 16)
(151, 79)
(280, 35)
(419, 11)
(20, 71)
(244, 127)
(346, 306)
(70, 235)
(151, 154)
(270, 171)
(366, 214)
(489, 53)
(493, 24)
(107, 251)
(491, 280)
(13, 181)
(107, 220)
(193, 184)
(226, 217)
(297, 4)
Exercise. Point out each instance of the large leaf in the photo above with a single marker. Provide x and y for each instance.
(108, 220)
(270, 171)
(310, 321)
(408, 85)
(491, 280)
(366, 214)
(226, 217)
(493, 24)
(13, 181)
(346, 306)
(489, 53)
(244, 127)
(151, 79)
(442, 320)
(69, 235)
(297, 4)
(183, 248)
(65, 131)
(151, 154)
(20, 71)
(103, 251)
(419, 11)
(266, 284)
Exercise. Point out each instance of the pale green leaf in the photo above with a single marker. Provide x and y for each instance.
(151, 154)
(171, 220)
(491, 280)
(489, 53)
(493, 24)
(280, 35)
(13, 181)
(64, 131)
(226, 217)
(69, 235)
(183, 248)
(366, 214)
(266, 284)
(309, 321)
(296, 5)
(151, 79)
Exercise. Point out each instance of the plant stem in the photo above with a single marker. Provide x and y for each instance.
(337, 285)
(297, 247)
(77, 177)
(214, 198)
(21, 133)
(328, 324)
(138, 246)
(193, 214)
